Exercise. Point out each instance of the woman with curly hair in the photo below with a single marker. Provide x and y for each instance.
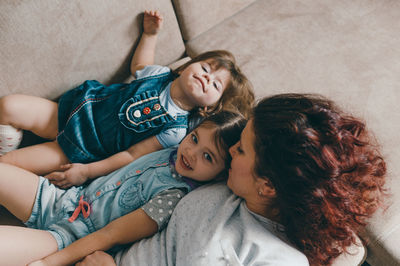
(326, 173)
(305, 176)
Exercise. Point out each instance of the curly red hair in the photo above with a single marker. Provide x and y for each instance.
(328, 175)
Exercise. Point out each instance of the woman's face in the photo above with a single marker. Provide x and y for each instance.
(242, 180)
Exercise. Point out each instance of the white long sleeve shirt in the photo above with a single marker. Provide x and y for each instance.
(212, 226)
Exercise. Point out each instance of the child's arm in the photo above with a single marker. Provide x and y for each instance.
(144, 53)
(77, 174)
(126, 229)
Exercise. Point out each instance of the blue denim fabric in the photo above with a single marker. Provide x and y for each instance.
(97, 121)
(110, 197)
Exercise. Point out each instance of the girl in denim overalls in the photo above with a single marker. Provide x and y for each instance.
(99, 128)
(124, 206)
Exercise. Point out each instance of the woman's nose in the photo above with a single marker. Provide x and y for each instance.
(233, 149)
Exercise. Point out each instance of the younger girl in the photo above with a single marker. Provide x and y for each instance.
(124, 206)
(101, 128)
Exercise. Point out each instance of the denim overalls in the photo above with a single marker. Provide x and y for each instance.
(97, 121)
(109, 198)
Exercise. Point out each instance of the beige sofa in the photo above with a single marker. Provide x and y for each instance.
(346, 50)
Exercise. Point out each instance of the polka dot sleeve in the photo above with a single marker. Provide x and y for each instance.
(162, 205)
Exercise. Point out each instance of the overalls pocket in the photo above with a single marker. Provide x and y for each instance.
(143, 112)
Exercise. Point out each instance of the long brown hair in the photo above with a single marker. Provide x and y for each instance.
(238, 95)
(327, 172)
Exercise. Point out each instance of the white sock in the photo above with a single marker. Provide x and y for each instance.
(10, 138)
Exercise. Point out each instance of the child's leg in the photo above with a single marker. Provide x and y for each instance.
(31, 113)
(40, 159)
(20, 245)
(18, 189)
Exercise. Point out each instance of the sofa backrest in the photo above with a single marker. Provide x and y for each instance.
(48, 47)
(196, 17)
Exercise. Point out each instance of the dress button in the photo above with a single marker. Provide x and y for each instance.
(157, 107)
(137, 114)
(146, 110)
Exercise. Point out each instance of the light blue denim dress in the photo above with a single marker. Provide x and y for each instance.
(109, 197)
(96, 121)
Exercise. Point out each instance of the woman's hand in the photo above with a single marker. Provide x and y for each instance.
(152, 22)
(74, 174)
(98, 258)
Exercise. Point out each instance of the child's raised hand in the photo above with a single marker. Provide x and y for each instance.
(74, 174)
(152, 22)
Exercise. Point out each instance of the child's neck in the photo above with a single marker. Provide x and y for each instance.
(179, 98)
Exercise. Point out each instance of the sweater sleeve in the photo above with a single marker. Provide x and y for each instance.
(162, 205)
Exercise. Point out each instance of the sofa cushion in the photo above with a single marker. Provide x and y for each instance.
(196, 17)
(345, 50)
(356, 255)
(47, 47)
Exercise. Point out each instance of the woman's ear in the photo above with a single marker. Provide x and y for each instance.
(266, 189)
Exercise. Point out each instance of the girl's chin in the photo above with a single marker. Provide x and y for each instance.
(178, 169)
(180, 172)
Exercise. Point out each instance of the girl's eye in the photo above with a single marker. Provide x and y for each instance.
(216, 85)
(205, 69)
(208, 157)
(194, 138)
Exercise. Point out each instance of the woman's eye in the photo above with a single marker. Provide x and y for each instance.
(239, 149)
(205, 69)
(194, 138)
(207, 157)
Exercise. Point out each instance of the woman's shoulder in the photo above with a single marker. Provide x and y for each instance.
(210, 200)
(229, 230)
(267, 236)
(214, 193)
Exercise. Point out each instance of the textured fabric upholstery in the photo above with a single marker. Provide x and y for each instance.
(196, 17)
(48, 47)
(348, 51)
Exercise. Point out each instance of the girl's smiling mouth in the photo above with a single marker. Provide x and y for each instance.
(185, 164)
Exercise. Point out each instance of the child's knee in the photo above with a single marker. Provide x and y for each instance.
(9, 105)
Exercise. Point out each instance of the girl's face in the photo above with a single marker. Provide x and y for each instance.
(202, 84)
(242, 179)
(198, 157)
